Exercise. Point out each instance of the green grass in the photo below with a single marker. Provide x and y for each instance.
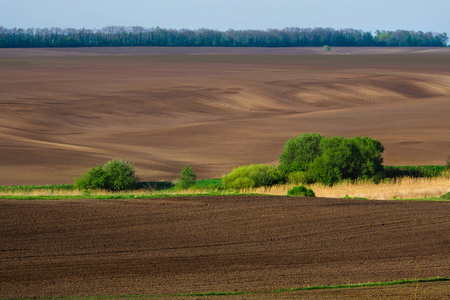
(413, 171)
(205, 184)
(30, 188)
(121, 196)
(209, 184)
(304, 288)
(169, 195)
(155, 185)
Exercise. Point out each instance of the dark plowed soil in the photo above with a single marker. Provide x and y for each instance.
(235, 243)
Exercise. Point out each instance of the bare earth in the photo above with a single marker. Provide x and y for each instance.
(228, 243)
(65, 110)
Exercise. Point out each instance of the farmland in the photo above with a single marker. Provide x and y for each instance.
(65, 110)
(221, 244)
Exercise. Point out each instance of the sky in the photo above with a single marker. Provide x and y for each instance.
(368, 15)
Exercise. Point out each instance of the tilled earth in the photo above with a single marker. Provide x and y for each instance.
(65, 110)
(222, 243)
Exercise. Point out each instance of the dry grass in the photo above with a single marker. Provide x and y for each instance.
(403, 188)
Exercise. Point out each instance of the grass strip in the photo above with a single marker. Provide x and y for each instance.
(304, 288)
(130, 196)
(124, 196)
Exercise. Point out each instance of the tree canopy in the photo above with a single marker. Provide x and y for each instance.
(111, 36)
(115, 175)
(312, 157)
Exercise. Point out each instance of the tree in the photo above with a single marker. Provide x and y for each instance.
(94, 179)
(287, 37)
(336, 162)
(187, 177)
(299, 152)
(115, 175)
(343, 158)
(120, 175)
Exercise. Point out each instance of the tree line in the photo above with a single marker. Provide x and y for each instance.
(119, 36)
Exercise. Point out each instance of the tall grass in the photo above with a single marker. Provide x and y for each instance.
(30, 188)
(400, 188)
(131, 193)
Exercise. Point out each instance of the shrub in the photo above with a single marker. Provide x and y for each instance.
(371, 161)
(343, 158)
(326, 48)
(301, 191)
(252, 176)
(187, 178)
(325, 170)
(94, 179)
(446, 196)
(413, 171)
(299, 177)
(299, 152)
(121, 175)
(115, 175)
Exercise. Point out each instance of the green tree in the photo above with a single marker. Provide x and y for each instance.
(371, 161)
(347, 159)
(115, 175)
(187, 177)
(120, 175)
(94, 179)
(299, 152)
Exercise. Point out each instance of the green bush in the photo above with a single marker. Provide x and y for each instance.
(299, 177)
(115, 175)
(120, 175)
(94, 179)
(252, 176)
(446, 196)
(413, 171)
(347, 159)
(299, 152)
(187, 178)
(301, 191)
(325, 170)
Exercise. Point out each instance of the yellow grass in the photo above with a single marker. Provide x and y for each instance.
(403, 188)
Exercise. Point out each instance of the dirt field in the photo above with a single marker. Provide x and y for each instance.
(65, 110)
(234, 243)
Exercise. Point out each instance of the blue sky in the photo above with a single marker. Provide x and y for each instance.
(431, 15)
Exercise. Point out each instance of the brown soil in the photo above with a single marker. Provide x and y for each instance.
(65, 110)
(428, 291)
(235, 243)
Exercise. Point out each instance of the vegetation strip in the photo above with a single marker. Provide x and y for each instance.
(126, 197)
(305, 288)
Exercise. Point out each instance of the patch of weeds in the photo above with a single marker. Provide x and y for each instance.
(301, 191)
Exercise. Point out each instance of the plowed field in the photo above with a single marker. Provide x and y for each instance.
(65, 110)
(233, 243)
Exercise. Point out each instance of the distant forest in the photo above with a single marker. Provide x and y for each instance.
(119, 36)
